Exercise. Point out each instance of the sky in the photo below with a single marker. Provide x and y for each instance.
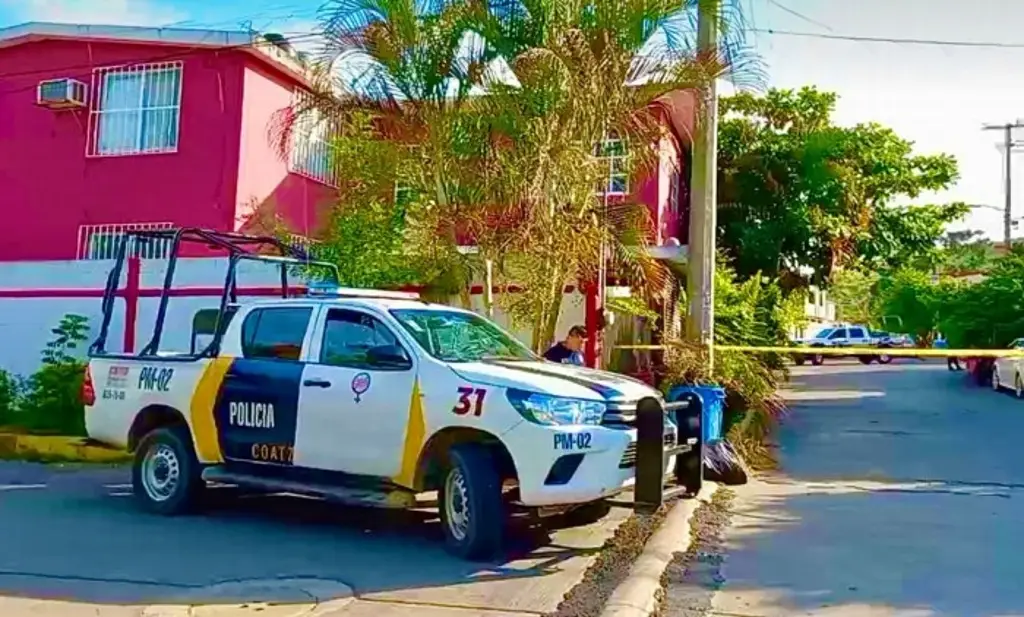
(937, 96)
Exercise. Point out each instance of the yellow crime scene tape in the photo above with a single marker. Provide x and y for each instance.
(911, 352)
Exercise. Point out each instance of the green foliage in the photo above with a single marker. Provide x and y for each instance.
(632, 306)
(366, 243)
(751, 312)
(9, 393)
(72, 331)
(507, 159)
(797, 192)
(915, 299)
(854, 292)
(50, 400)
(988, 314)
(965, 252)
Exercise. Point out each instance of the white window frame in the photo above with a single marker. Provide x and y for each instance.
(311, 138)
(87, 250)
(612, 140)
(101, 78)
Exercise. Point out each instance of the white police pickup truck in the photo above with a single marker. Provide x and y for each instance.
(371, 398)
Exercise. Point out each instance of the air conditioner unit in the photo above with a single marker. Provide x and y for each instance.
(64, 93)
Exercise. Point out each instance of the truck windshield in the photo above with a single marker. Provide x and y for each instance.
(454, 336)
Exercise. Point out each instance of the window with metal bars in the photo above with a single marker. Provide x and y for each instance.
(135, 109)
(102, 241)
(612, 152)
(311, 143)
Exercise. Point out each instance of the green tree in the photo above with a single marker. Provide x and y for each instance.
(853, 291)
(492, 118)
(798, 192)
(915, 299)
(990, 313)
(966, 251)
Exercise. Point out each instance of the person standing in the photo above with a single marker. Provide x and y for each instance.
(952, 362)
(570, 350)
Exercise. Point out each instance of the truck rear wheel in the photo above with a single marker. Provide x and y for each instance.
(470, 503)
(818, 359)
(166, 475)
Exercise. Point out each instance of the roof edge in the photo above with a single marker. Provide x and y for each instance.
(251, 42)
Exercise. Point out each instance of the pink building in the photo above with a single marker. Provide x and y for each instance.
(108, 127)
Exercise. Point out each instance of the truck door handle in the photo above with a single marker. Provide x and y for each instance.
(316, 383)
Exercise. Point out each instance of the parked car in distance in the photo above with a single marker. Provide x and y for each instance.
(844, 335)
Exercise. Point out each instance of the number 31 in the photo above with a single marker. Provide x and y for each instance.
(470, 400)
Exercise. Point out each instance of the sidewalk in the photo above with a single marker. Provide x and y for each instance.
(902, 501)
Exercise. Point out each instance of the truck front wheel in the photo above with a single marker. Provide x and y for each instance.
(470, 503)
(165, 475)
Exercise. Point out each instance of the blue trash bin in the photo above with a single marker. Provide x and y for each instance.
(712, 400)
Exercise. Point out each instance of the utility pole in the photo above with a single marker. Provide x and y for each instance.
(1008, 145)
(700, 285)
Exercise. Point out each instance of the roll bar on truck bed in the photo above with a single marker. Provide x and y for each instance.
(236, 246)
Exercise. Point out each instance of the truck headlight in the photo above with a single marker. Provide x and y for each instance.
(555, 410)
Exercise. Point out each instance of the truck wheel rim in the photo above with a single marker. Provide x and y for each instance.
(883, 358)
(456, 505)
(160, 472)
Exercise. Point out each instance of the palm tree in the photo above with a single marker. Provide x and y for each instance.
(498, 113)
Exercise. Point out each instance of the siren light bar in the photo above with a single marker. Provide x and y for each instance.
(320, 289)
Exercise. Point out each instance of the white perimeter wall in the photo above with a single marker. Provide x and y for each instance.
(26, 323)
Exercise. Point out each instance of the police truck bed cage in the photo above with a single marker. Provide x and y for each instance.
(236, 246)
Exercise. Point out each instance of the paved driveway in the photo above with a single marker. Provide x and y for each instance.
(75, 535)
(901, 494)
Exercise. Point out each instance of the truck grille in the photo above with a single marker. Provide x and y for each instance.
(628, 460)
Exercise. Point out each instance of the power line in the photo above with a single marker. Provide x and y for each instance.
(800, 15)
(881, 39)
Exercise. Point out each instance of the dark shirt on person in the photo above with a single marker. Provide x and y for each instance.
(560, 353)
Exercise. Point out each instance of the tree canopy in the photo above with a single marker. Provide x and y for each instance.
(500, 123)
(798, 193)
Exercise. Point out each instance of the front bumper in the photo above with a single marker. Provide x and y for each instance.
(579, 464)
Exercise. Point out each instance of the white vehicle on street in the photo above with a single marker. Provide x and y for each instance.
(1008, 371)
(374, 398)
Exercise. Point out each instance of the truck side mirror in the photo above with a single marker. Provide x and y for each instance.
(388, 357)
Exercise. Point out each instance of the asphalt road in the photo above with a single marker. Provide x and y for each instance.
(75, 535)
(901, 494)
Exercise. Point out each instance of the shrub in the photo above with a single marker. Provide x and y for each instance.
(10, 392)
(754, 312)
(51, 398)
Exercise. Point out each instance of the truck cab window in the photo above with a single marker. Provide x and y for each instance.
(349, 335)
(839, 333)
(275, 333)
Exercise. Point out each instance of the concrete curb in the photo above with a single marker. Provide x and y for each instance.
(56, 448)
(637, 595)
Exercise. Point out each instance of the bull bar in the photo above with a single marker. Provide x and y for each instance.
(652, 487)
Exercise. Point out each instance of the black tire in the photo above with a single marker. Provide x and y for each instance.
(799, 360)
(884, 359)
(165, 443)
(484, 527)
(818, 359)
(866, 359)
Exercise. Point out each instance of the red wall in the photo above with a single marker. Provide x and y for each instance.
(265, 186)
(50, 188)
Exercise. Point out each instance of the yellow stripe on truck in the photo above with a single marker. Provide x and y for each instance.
(204, 399)
(415, 432)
